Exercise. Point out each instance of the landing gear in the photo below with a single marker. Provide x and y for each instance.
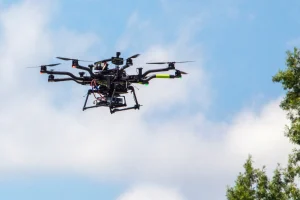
(115, 102)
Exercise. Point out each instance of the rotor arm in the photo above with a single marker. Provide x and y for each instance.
(157, 70)
(146, 80)
(67, 79)
(124, 67)
(86, 69)
(63, 73)
(177, 75)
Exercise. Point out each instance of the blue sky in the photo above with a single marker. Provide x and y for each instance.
(242, 45)
(46, 187)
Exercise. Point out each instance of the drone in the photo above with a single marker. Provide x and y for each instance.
(109, 86)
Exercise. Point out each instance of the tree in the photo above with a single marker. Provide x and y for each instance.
(245, 183)
(291, 174)
(290, 80)
(253, 183)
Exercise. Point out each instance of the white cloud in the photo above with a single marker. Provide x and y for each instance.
(134, 34)
(149, 192)
(261, 133)
(22, 41)
(183, 150)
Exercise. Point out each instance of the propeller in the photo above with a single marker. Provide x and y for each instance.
(134, 56)
(160, 63)
(107, 60)
(49, 65)
(182, 72)
(129, 60)
(171, 63)
(101, 61)
(67, 59)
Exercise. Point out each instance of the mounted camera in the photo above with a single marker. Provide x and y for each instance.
(116, 101)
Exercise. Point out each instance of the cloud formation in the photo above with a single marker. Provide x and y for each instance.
(149, 192)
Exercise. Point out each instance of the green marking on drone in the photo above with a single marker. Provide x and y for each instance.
(143, 83)
(162, 75)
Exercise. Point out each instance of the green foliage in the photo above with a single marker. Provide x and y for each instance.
(291, 174)
(254, 184)
(244, 184)
(277, 186)
(262, 187)
(290, 80)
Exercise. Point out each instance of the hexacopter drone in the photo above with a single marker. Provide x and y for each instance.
(110, 85)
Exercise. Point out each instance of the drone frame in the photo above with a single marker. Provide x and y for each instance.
(140, 78)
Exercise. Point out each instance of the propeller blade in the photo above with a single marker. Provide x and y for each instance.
(134, 56)
(33, 67)
(184, 61)
(68, 59)
(105, 60)
(160, 63)
(62, 58)
(182, 72)
(50, 65)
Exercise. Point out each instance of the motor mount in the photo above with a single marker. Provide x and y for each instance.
(81, 74)
(75, 63)
(50, 78)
